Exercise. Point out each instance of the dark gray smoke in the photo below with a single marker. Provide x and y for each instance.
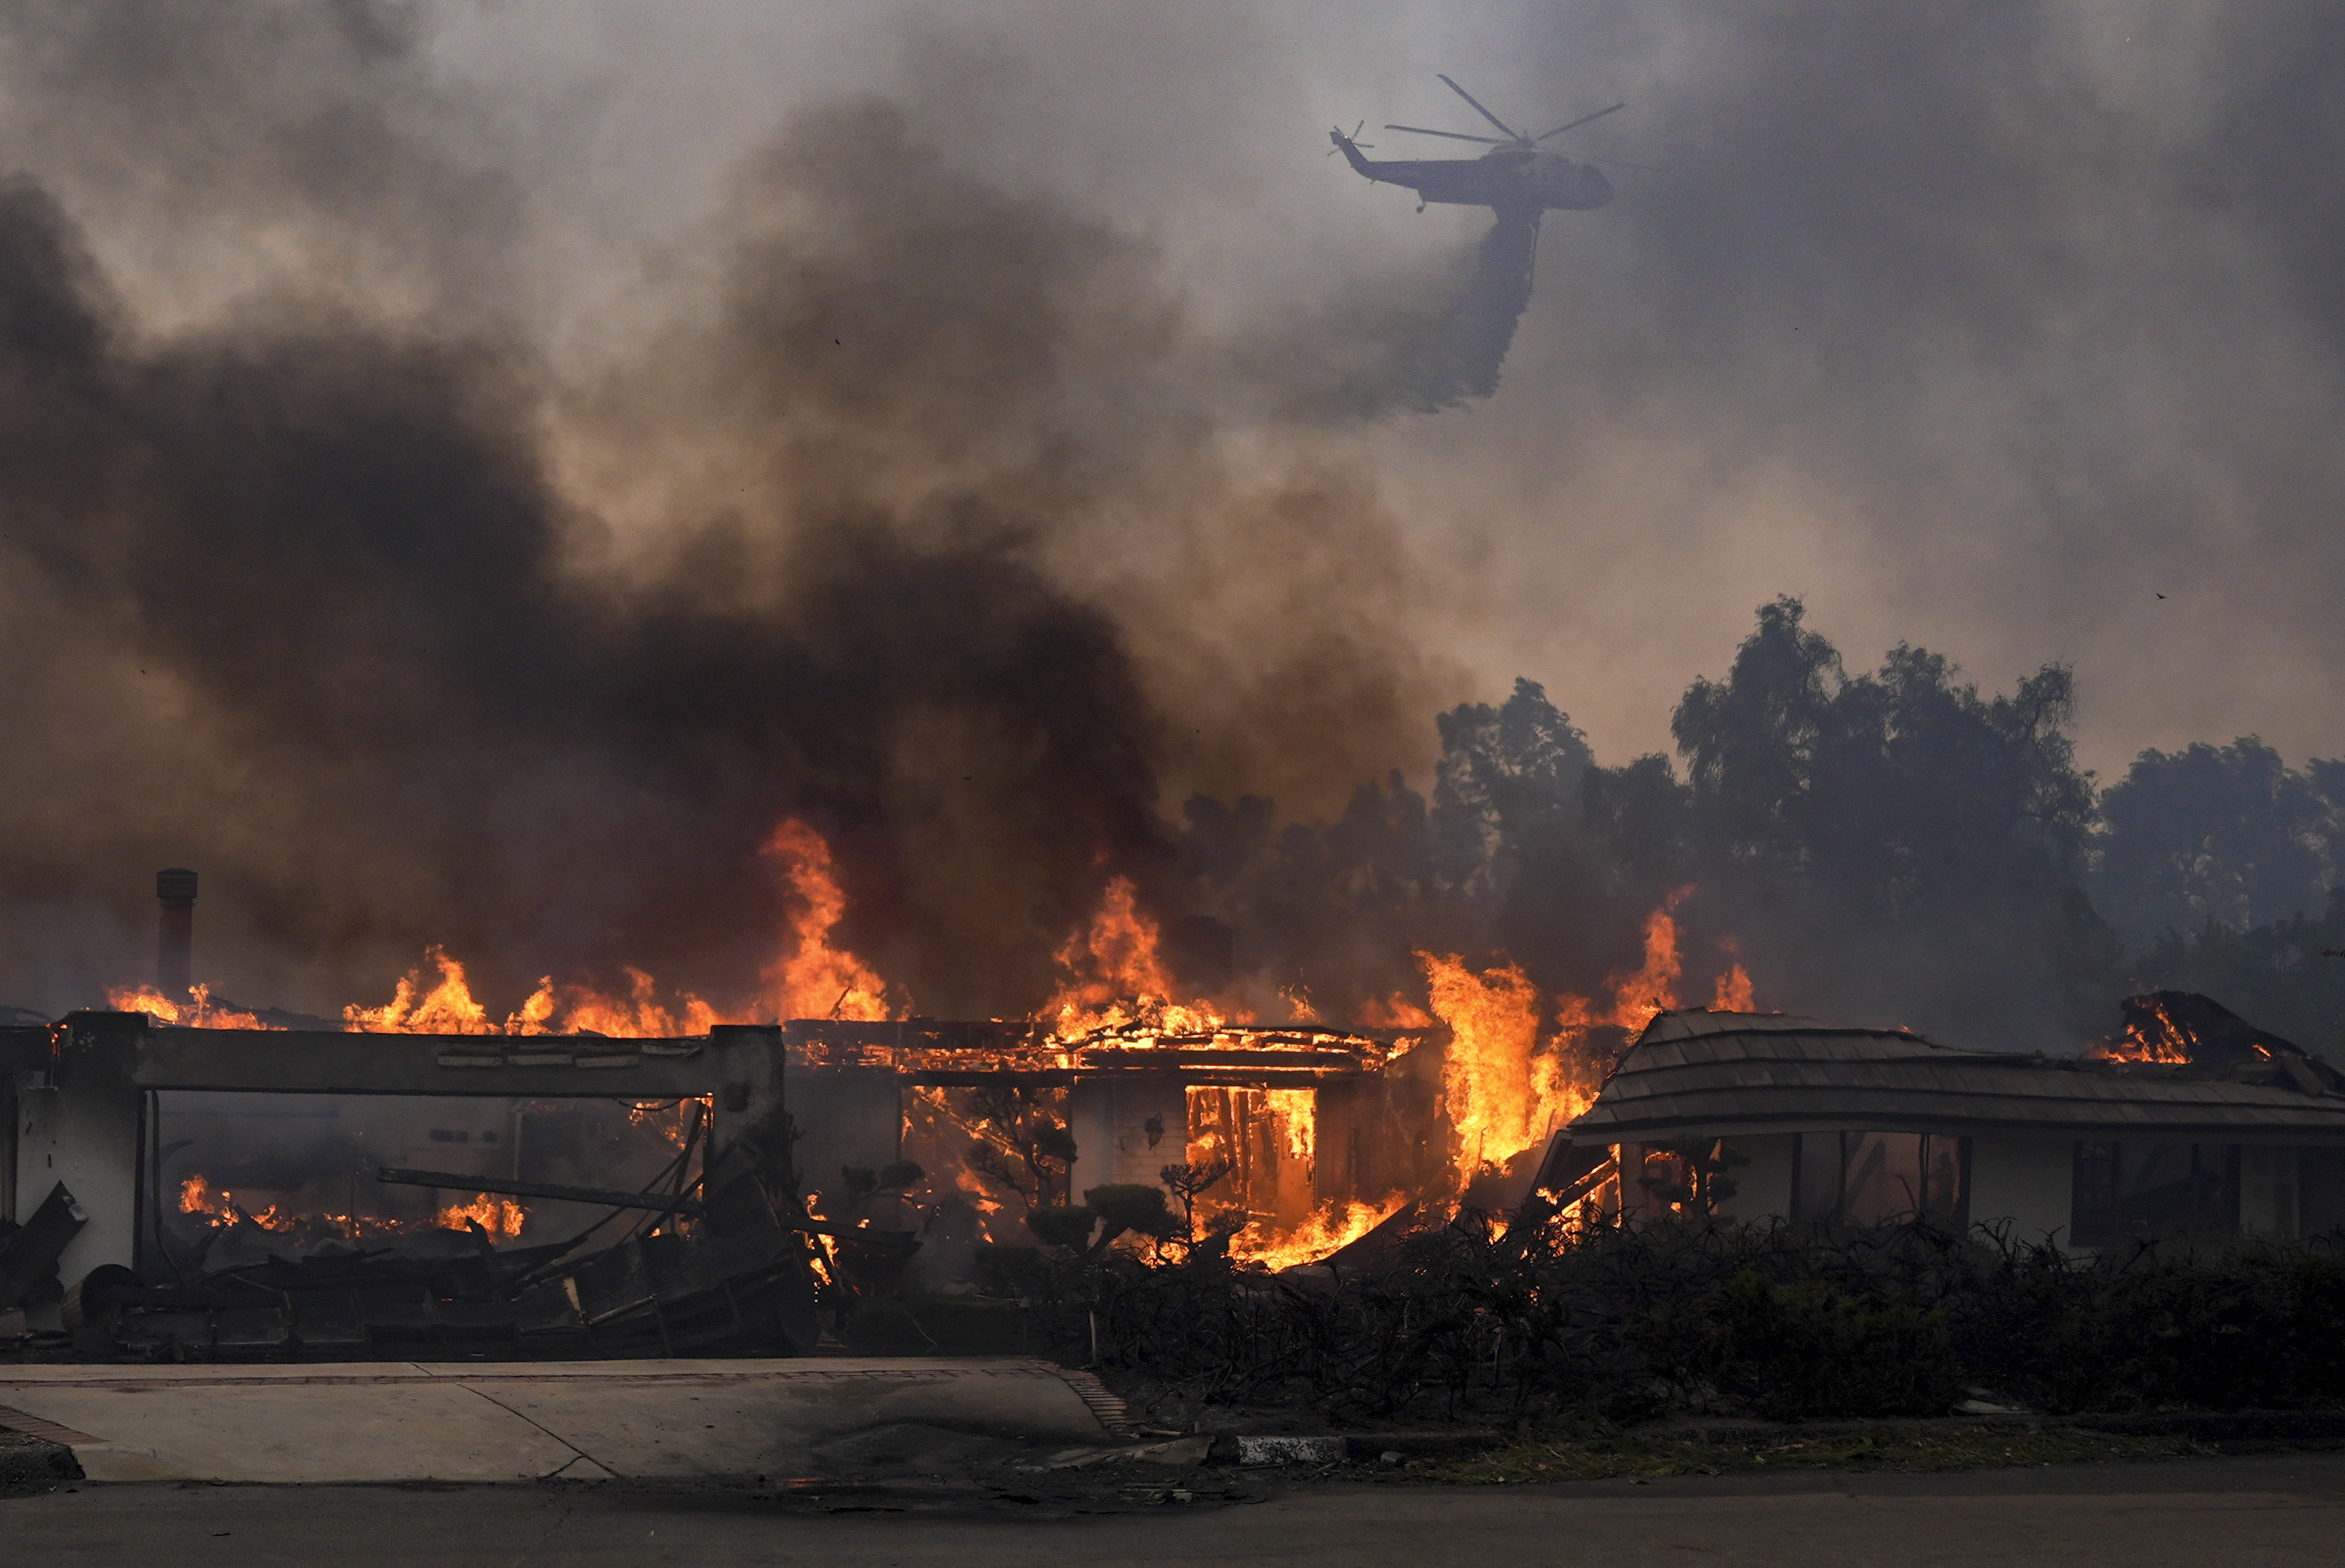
(342, 550)
(395, 685)
(982, 463)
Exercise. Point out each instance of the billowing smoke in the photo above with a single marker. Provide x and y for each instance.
(849, 548)
(984, 455)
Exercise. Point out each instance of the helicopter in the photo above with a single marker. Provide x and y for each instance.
(1517, 179)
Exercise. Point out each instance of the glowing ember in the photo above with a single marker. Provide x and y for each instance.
(817, 981)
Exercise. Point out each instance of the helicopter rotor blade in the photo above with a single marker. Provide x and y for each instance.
(1452, 135)
(1512, 134)
(1582, 120)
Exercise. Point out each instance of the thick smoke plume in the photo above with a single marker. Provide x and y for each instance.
(999, 460)
(852, 523)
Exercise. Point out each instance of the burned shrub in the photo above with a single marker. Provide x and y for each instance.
(1795, 1351)
(1780, 1321)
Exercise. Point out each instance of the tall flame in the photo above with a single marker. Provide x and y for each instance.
(1497, 1103)
(1116, 977)
(1505, 1087)
(817, 981)
(1640, 997)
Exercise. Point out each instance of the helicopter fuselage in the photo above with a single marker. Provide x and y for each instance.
(1506, 180)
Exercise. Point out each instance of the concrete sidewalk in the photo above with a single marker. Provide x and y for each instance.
(401, 1421)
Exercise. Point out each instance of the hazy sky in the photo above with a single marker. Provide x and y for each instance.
(1979, 326)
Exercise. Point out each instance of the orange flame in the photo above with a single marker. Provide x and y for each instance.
(636, 1016)
(1116, 977)
(500, 1218)
(1296, 1114)
(2163, 1040)
(1504, 1087)
(817, 981)
(197, 1012)
(814, 981)
(196, 1197)
(671, 1121)
(1334, 1226)
(1641, 997)
(445, 1008)
(1500, 1101)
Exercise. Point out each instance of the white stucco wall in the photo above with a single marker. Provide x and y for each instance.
(1109, 1118)
(88, 1141)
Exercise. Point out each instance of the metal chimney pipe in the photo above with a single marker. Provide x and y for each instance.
(175, 944)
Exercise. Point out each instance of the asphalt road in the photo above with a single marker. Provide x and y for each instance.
(2285, 1509)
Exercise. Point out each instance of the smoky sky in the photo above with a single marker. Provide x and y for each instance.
(471, 468)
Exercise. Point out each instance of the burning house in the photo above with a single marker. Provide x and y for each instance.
(598, 1171)
(2191, 1120)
